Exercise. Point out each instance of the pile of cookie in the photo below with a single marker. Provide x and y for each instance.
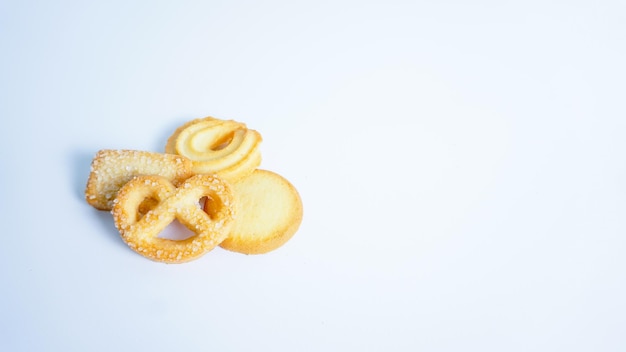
(208, 180)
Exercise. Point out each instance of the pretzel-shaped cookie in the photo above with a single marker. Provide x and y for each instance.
(223, 147)
(140, 230)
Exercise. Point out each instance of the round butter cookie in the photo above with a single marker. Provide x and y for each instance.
(269, 212)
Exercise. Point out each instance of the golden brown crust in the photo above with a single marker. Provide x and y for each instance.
(207, 175)
(223, 147)
(141, 232)
(269, 212)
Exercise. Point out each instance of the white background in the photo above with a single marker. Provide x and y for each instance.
(462, 166)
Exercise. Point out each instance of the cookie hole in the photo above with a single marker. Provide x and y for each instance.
(176, 231)
(145, 206)
(223, 142)
(210, 206)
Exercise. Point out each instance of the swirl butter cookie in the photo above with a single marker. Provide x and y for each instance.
(223, 147)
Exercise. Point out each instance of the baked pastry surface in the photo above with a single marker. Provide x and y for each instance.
(269, 212)
(111, 169)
